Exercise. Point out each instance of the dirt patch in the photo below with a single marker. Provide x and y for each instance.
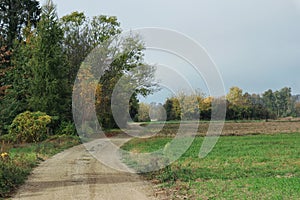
(231, 128)
(245, 128)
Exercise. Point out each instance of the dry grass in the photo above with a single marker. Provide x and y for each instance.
(231, 128)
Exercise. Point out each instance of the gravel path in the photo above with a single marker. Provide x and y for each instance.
(76, 174)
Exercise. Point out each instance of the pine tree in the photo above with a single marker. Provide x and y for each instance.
(14, 16)
(48, 88)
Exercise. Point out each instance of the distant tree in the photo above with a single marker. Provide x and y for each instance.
(278, 103)
(205, 108)
(190, 106)
(173, 109)
(184, 106)
(283, 102)
(157, 112)
(294, 102)
(297, 109)
(269, 102)
(143, 112)
(238, 104)
(257, 107)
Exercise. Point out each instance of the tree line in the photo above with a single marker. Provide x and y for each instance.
(40, 55)
(239, 106)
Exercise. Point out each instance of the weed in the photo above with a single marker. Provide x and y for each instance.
(17, 162)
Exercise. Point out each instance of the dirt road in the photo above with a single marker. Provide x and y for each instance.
(76, 174)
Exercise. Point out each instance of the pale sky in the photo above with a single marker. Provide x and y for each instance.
(254, 43)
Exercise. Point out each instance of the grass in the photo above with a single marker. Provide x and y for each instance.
(246, 167)
(20, 160)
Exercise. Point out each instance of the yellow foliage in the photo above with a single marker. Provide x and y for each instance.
(4, 155)
(30, 127)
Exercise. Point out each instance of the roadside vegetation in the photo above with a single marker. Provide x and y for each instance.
(18, 160)
(246, 167)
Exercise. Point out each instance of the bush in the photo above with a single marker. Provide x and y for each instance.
(67, 128)
(6, 139)
(30, 127)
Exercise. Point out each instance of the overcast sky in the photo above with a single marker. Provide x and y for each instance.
(254, 43)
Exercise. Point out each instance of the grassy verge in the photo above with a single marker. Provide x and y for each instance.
(17, 162)
(247, 167)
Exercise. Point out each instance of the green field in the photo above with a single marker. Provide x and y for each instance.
(239, 167)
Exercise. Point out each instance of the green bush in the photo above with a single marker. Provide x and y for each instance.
(30, 127)
(6, 139)
(67, 128)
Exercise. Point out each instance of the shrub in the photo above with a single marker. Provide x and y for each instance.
(6, 139)
(30, 127)
(67, 128)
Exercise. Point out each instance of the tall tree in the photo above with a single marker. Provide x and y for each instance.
(269, 102)
(82, 35)
(257, 107)
(129, 71)
(48, 87)
(17, 95)
(283, 102)
(5, 84)
(173, 110)
(14, 16)
(5, 67)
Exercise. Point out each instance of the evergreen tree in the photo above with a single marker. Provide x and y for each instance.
(16, 96)
(48, 86)
(14, 16)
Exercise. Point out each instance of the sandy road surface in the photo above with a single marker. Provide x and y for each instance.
(76, 174)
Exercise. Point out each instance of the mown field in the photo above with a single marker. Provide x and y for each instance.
(254, 166)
